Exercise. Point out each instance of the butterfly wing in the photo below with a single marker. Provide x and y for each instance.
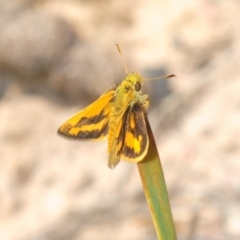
(131, 139)
(117, 141)
(92, 122)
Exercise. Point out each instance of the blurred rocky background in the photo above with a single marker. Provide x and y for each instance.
(57, 56)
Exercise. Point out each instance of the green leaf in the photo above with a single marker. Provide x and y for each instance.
(155, 190)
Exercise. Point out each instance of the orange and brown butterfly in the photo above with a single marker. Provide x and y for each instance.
(119, 114)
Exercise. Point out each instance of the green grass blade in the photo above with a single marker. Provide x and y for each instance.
(155, 190)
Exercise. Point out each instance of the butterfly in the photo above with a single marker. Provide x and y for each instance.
(120, 115)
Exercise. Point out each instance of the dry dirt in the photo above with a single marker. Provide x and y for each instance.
(58, 56)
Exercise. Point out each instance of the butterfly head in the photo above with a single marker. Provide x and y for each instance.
(134, 81)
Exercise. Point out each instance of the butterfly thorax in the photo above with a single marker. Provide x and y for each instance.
(128, 93)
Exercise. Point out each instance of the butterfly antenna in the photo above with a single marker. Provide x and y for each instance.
(166, 76)
(124, 64)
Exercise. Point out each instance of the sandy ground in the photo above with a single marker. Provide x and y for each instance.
(57, 56)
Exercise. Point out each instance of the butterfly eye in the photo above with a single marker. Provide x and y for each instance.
(137, 86)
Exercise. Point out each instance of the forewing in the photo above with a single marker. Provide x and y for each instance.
(135, 145)
(92, 122)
